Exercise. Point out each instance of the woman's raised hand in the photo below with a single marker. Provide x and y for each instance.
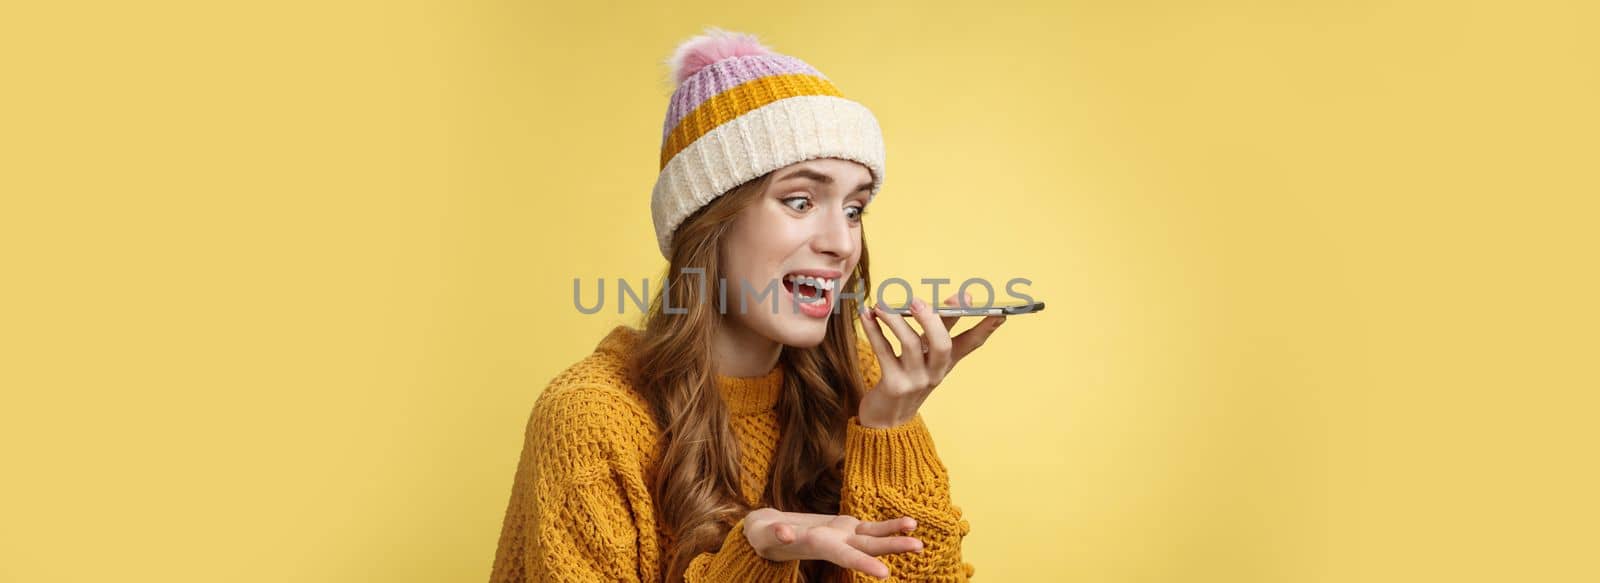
(842, 540)
(909, 378)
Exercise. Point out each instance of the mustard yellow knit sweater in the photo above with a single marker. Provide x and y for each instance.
(581, 510)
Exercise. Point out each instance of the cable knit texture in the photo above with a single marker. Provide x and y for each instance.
(580, 507)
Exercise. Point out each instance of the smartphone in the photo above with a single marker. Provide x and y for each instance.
(1007, 309)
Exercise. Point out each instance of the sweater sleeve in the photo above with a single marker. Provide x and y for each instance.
(738, 561)
(571, 515)
(893, 472)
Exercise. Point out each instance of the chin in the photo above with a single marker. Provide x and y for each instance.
(800, 331)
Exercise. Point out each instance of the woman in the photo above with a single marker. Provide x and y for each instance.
(746, 432)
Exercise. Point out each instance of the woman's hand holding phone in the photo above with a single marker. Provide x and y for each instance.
(909, 378)
(842, 540)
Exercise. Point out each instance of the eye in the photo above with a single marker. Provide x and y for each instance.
(855, 213)
(805, 201)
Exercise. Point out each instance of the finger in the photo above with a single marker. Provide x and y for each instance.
(880, 345)
(878, 546)
(910, 342)
(966, 342)
(784, 533)
(887, 527)
(849, 557)
(936, 338)
(964, 300)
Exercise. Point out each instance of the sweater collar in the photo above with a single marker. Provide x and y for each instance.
(744, 395)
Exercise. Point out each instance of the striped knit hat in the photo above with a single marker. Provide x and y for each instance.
(741, 111)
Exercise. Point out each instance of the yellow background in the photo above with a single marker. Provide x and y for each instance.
(282, 281)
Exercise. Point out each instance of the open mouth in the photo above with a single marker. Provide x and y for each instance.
(811, 287)
(813, 294)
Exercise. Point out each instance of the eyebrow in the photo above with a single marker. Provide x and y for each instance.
(813, 175)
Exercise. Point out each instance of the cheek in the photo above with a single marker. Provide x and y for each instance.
(744, 265)
(770, 233)
(855, 257)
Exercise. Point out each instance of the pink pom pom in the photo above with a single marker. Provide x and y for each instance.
(715, 45)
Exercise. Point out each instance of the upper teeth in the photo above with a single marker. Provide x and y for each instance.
(817, 282)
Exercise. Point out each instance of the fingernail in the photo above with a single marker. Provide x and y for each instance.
(917, 305)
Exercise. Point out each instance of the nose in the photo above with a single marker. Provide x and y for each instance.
(834, 236)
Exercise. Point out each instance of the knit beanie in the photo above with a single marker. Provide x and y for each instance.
(739, 111)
